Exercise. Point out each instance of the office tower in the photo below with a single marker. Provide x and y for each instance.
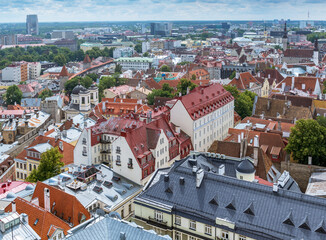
(32, 25)
(161, 28)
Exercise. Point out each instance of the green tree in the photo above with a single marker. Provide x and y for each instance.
(233, 90)
(322, 121)
(166, 91)
(60, 59)
(13, 95)
(45, 93)
(86, 81)
(308, 138)
(50, 165)
(138, 48)
(146, 54)
(118, 68)
(243, 106)
(165, 68)
(193, 77)
(232, 75)
(93, 76)
(69, 85)
(184, 85)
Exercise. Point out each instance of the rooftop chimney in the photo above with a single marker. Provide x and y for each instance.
(199, 177)
(221, 169)
(275, 187)
(166, 178)
(47, 199)
(24, 218)
(292, 85)
(122, 236)
(13, 206)
(256, 141)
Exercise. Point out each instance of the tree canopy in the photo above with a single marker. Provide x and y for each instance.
(165, 68)
(138, 48)
(184, 85)
(13, 95)
(84, 81)
(45, 93)
(108, 82)
(243, 102)
(50, 165)
(308, 138)
(232, 75)
(166, 91)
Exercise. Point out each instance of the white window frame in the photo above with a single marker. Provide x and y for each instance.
(225, 235)
(158, 216)
(177, 220)
(192, 224)
(208, 230)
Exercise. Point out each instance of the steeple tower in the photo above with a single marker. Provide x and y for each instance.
(285, 38)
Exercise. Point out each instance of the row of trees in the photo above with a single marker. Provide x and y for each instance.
(167, 91)
(243, 102)
(308, 139)
(60, 56)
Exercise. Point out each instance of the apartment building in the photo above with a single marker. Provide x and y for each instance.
(132, 146)
(205, 114)
(34, 70)
(190, 202)
(135, 63)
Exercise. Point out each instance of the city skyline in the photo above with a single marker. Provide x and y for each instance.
(156, 10)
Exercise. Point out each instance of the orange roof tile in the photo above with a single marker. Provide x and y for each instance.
(39, 219)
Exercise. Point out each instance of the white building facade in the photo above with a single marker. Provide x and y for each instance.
(203, 116)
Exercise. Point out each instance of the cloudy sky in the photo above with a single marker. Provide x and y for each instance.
(130, 10)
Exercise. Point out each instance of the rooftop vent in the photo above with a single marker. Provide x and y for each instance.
(221, 169)
(321, 227)
(231, 205)
(169, 190)
(122, 236)
(289, 219)
(182, 180)
(305, 224)
(199, 177)
(250, 209)
(214, 200)
(166, 178)
(275, 187)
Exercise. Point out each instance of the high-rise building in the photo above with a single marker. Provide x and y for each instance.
(161, 28)
(32, 25)
(65, 34)
(9, 39)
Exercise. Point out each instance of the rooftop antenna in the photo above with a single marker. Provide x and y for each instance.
(308, 15)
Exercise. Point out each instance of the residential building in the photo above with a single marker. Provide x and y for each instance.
(279, 110)
(133, 146)
(298, 55)
(161, 29)
(135, 63)
(123, 52)
(302, 86)
(15, 226)
(191, 202)
(227, 70)
(63, 34)
(12, 73)
(48, 213)
(247, 82)
(112, 228)
(82, 101)
(8, 39)
(7, 170)
(29, 159)
(53, 105)
(98, 187)
(205, 114)
(32, 25)
(34, 70)
(119, 107)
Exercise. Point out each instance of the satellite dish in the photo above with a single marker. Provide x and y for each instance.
(115, 215)
(100, 212)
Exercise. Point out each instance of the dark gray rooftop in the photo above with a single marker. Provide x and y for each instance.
(258, 212)
(110, 229)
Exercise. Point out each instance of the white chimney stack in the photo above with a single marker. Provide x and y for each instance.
(47, 199)
(256, 141)
(13, 206)
(239, 138)
(199, 177)
(292, 86)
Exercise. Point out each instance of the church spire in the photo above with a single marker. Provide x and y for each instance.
(285, 31)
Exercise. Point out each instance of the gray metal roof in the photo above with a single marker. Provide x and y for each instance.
(110, 229)
(89, 196)
(270, 209)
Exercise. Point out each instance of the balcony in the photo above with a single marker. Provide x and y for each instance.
(105, 141)
(118, 163)
(105, 151)
(156, 222)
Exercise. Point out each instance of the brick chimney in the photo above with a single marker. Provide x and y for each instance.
(47, 199)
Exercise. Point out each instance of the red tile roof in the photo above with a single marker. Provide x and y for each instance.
(205, 99)
(244, 81)
(305, 84)
(39, 219)
(64, 72)
(298, 53)
(71, 212)
(68, 149)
